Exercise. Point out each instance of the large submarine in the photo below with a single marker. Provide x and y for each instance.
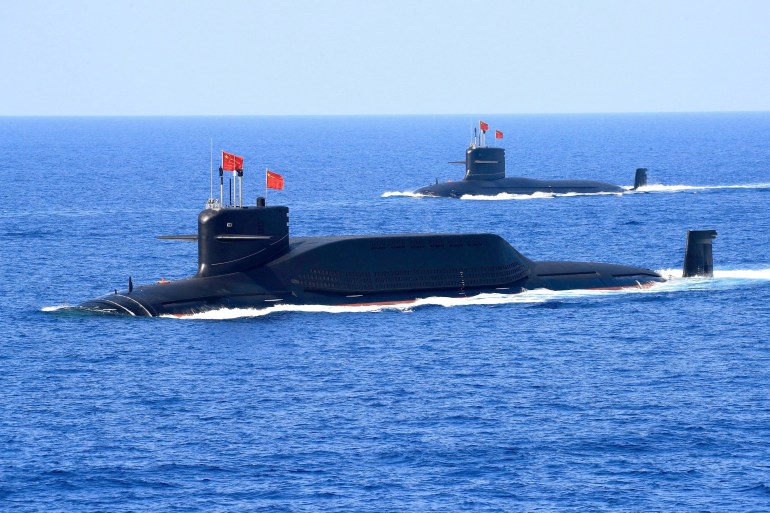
(246, 259)
(485, 176)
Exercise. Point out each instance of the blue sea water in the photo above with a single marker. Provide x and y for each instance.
(655, 400)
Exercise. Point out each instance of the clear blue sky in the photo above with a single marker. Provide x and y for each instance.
(174, 57)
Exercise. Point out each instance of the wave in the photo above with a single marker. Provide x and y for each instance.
(535, 195)
(629, 189)
(503, 196)
(723, 279)
(405, 194)
(680, 188)
(739, 274)
(55, 308)
(480, 299)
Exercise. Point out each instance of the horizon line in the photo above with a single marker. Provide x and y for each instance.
(580, 113)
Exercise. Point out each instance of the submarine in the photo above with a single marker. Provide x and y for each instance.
(246, 259)
(485, 176)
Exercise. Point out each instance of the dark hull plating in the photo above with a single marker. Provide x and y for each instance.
(485, 176)
(365, 270)
(517, 185)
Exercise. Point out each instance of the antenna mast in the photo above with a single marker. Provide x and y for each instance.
(222, 182)
(211, 169)
(240, 187)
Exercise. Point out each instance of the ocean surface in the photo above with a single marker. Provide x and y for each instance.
(653, 400)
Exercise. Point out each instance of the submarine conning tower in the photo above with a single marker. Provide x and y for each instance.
(484, 163)
(233, 239)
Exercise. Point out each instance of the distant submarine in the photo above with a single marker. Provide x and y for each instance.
(485, 176)
(247, 260)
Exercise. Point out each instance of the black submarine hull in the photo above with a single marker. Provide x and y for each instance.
(197, 295)
(485, 176)
(365, 270)
(516, 185)
(247, 260)
(146, 301)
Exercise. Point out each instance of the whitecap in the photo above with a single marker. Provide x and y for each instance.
(404, 194)
(682, 187)
(55, 308)
(504, 196)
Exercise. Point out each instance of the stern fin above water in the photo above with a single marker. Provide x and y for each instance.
(698, 258)
(640, 180)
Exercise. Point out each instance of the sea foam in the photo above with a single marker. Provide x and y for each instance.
(723, 279)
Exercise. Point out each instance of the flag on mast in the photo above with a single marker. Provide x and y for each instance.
(498, 134)
(231, 162)
(483, 126)
(274, 180)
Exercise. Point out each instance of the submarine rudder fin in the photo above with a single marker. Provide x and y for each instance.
(698, 257)
(640, 180)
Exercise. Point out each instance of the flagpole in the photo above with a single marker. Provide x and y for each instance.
(211, 169)
(222, 181)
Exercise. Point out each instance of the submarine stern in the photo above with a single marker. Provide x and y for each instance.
(590, 275)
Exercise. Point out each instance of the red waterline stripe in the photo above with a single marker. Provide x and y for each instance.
(645, 285)
(382, 303)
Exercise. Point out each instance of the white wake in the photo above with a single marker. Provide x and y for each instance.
(723, 279)
(629, 189)
(55, 308)
(680, 188)
(726, 279)
(503, 196)
(405, 194)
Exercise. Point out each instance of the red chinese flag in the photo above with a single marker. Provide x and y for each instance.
(274, 180)
(498, 134)
(484, 127)
(231, 162)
